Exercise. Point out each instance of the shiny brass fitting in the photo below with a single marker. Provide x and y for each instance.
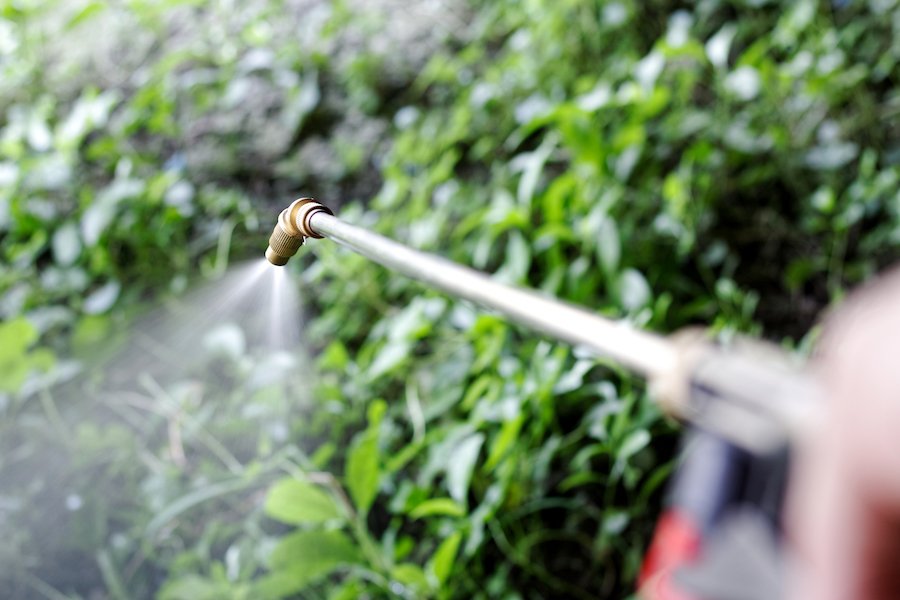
(292, 229)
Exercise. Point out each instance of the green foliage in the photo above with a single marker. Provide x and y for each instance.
(297, 502)
(735, 166)
(441, 564)
(17, 361)
(362, 471)
(304, 556)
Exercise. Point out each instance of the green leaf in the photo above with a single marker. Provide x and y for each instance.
(375, 414)
(305, 556)
(517, 259)
(634, 443)
(410, 575)
(66, 244)
(350, 590)
(16, 361)
(102, 299)
(334, 357)
(362, 472)
(437, 506)
(634, 291)
(296, 502)
(401, 458)
(509, 433)
(609, 247)
(677, 195)
(193, 587)
(85, 14)
(441, 564)
(191, 500)
(91, 330)
(461, 465)
(15, 337)
(314, 552)
(391, 355)
(532, 165)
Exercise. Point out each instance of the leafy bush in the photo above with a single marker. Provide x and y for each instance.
(732, 165)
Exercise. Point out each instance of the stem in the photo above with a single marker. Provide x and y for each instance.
(529, 566)
(357, 521)
(172, 410)
(416, 415)
(42, 587)
(53, 415)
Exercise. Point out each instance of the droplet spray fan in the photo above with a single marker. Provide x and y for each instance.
(751, 392)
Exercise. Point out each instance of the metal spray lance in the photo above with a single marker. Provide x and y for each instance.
(761, 395)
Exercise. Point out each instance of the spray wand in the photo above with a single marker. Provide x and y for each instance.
(760, 394)
(744, 403)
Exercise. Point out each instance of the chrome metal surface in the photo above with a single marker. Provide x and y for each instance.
(646, 353)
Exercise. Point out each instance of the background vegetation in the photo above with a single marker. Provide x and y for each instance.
(732, 163)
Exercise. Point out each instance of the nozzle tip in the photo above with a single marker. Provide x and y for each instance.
(292, 229)
(276, 259)
(282, 245)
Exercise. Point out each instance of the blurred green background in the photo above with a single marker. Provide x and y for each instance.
(730, 163)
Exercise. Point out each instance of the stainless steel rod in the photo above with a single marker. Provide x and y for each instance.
(646, 353)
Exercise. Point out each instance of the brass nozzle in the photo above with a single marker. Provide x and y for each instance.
(282, 246)
(292, 229)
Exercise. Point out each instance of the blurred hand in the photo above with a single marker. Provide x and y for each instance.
(844, 505)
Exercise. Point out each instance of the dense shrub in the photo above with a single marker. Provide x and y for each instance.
(725, 163)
